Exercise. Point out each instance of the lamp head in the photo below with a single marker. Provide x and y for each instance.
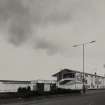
(75, 46)
(93, 41)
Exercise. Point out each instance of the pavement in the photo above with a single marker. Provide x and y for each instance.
(93, 97)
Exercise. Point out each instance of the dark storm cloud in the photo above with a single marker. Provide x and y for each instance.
(21, 16)
(44, 44)
(14, 13)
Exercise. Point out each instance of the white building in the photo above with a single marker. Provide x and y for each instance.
(72, 79)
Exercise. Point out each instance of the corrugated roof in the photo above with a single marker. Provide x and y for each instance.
(15, 82)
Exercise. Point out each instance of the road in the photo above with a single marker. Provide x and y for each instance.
(90, 98)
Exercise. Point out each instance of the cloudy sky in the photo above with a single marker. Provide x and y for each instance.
(36, 37)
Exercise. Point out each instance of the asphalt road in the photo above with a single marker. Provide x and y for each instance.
(90, 98)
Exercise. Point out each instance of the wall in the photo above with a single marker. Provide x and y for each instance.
(9, 87)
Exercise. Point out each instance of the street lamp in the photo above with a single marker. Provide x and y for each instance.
(83, 45)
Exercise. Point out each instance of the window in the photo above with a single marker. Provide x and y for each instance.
(86, 75)
(69, 75)
(86, 81)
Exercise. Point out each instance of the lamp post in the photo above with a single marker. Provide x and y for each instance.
(83, 45)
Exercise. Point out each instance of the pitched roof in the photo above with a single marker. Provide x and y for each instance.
(75, 71)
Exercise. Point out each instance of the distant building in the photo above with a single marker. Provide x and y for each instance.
(35, 85)
(72, 79)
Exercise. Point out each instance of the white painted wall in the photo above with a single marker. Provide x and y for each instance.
(11, 87)
(46, 87)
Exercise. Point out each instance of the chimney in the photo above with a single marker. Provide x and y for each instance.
(95, 74)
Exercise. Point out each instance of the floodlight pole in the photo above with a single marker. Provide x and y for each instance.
(83, 45)
(83, 68)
